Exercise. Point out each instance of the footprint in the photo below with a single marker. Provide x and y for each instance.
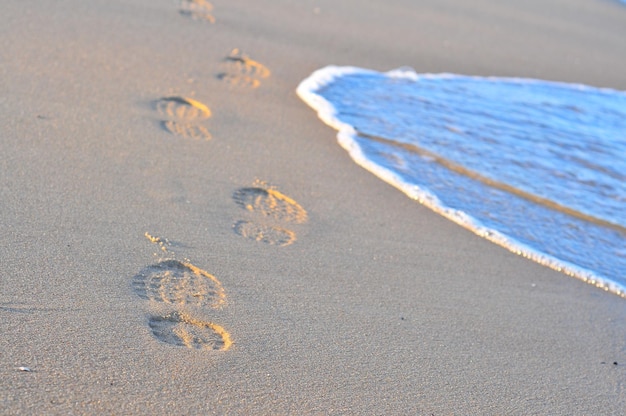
(197, 10)
(271, 210)
(182, 330)
(186, 130)
(182, 108)
(181, 116)
(270, 203)
(180, 284)
(264, 233)
(246, 66)
(239, 80)
(243, 71)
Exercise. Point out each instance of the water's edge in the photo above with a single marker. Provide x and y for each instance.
(307, 91)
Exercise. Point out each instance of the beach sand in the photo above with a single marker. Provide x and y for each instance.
(276, 276)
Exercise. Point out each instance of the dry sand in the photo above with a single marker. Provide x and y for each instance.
(119, 118)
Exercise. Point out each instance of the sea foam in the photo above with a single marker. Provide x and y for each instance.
(537, 167)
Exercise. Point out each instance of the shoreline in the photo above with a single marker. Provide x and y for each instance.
(309, 90)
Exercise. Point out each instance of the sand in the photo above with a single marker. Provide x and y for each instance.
(276, 276)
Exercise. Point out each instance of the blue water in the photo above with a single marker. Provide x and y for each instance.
(535, 166)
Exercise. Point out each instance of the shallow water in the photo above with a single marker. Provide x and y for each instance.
(538, 167)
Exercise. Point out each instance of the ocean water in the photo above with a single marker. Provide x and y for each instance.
(537, 167)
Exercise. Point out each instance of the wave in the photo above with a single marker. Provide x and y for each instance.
(531, 165)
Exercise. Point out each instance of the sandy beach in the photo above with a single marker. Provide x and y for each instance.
(183, 235)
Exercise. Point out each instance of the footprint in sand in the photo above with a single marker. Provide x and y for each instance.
(180, 285)
(243, 71)
(182, 330)
(182, 108)
(270, 210)
(182, 117)
(190, 131)
(270, 203)
(197, 10)
(264, 233)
